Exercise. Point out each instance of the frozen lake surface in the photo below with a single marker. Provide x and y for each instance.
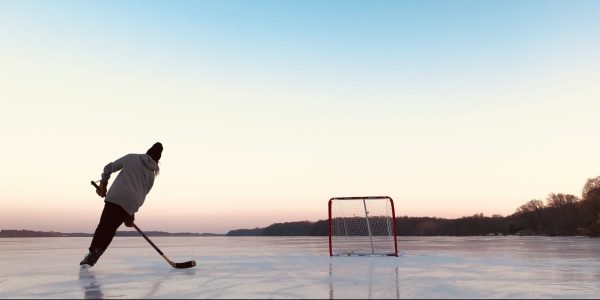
(300, 267)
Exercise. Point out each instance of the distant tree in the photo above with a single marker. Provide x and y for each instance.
(246, 232)
(320, 228)
(533, 211)
(560, 200)
(590, 185)
(533, 206)
(562, 215)
(591, 199)
(427, 227)
(302, 228)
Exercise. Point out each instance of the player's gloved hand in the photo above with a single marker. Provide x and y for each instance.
(129, 221)
(102, 190)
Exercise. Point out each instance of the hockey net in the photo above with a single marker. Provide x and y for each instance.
(362, 226)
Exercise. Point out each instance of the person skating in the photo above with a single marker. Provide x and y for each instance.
(125, 196)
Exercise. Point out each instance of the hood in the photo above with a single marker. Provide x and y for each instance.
(149, 162)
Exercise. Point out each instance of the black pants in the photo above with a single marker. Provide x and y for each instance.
(112, 217)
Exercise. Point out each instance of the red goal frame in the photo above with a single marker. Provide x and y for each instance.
(394, 229)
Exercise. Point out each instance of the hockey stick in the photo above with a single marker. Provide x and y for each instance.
(184, 265)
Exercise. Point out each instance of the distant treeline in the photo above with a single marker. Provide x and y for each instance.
(29, 233)
(560, 215)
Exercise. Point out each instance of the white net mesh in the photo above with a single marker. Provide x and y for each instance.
(362, 226)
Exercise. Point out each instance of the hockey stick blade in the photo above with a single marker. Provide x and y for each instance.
(185, 265)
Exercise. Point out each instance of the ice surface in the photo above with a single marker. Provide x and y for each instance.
(299, 267)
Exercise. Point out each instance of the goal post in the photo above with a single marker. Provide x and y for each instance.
(362, 226)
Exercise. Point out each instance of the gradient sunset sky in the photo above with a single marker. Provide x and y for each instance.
(266, 109)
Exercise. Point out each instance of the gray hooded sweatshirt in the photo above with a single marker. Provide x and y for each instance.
(133, 183)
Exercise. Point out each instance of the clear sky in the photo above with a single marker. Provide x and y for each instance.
(266, 109)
